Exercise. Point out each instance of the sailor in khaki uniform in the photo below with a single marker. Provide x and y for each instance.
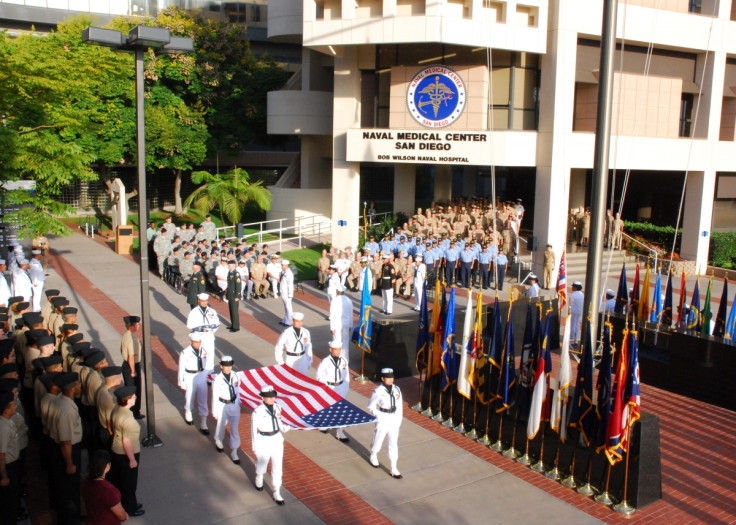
(126, 450)
(130, 348)
(333, 371)
(294, 346)
(268, 441)
(386, 404)
(226, 407)
(193, 380)
(105, 402)
(10, 470)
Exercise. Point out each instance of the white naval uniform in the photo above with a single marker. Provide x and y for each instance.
(361, 279)
(273, 269)
(38, 276)
(610, 306)
(332, 282)
(335, 374)
(388, 409)
(4, 290)
(266, 430)
(346, 326)
(343, 267)
(420, 274)
(193, 379)
(221, 271)
(576, 314)
(286, 286)
(22, 285)
(298, 350)
(226, 409)
(207, 322)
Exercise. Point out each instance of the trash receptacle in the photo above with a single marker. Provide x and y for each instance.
(124, 240)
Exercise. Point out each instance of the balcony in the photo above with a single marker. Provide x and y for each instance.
(285, 20)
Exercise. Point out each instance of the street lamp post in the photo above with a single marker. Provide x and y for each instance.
(138, 40)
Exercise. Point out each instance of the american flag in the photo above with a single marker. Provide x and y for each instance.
(562, 283)
(306, 404)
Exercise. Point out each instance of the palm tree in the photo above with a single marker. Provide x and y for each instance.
(230, 192)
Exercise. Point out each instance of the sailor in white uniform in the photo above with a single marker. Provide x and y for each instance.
(294, 346)
(576, 311)
(193, 379)
(268, 441)
(38, 276)
(333, 371)
(286, 286)
(386, 404)
(226, 407)
(205, 320)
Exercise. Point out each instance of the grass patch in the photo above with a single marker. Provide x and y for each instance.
(305, 260)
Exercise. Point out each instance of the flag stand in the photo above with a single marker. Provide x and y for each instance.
(428, 411)
(525, 459)
(418, 405)
(555, 472)
(448, 422)
(624, 507)
(587, 489)
(605, 496)
(362, 377)
(498, 445)
(485, 440)
(511, 452)
(438, 416)
(569, 481)
(461, 426)
(539, 465)
(473, 434)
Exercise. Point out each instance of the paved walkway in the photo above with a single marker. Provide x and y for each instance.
(446, 476)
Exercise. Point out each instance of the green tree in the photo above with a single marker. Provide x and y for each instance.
(231, 192)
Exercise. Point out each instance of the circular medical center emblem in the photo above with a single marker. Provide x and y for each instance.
(436, 96)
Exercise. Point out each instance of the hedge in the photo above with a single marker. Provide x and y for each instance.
(722, 249)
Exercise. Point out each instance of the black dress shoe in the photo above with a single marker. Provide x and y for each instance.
(279, 501)
(259, 489)
(343, 440)
(219, 449)
(139, 415)
(188, 422)
(204, 431)
(397, 476)
(138, 512)
(139, 506)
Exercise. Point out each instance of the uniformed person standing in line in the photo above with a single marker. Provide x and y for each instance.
(193, 380)
(286, 286)
(268, 441)
(232, 294)
(296, 343)
(420, 274)
(10, 471)
(226, 407)
(501, 262)
(126, 450)
(130, 348)
(197, 284)
(205, 320)
(105, 402)
(576, 311)
(67, 434)
(549, 266)
(386, 404)
(388, 279)
(333, 371)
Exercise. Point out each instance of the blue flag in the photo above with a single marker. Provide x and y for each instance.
(495, 353)
(622, 297)
(582, 415)
(423, 334)
(667, 311)
(693, 316)
(526, 366)
(603, 405)
(508, 367)
(657, 303)
(720, 328)
(449, 360)
(362, 332)
(731, 324)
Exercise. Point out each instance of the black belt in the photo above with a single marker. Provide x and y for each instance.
(271, 433)
(227, 401)
(292, 354)
(334, 384)
(192, 371)
(387, 410)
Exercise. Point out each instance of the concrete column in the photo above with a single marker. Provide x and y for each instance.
(698, 217)
(577, 188)
(442, 183)
(470, 180)
(557, 100)
(345, 175)
(709, 116)
(404, 188)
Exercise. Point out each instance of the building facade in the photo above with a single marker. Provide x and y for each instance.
(451, 88)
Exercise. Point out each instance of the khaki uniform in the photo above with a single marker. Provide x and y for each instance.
(258, 276)
(322, 265)
(125, 426)
(549, 267)
(130, 345)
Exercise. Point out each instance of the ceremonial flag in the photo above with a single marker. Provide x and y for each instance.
(305, 403)
(582, 414)
(633, 389)
(731, 324)
(681, 323)
(423, 333)
(562, 283)
(463, 373)
(720, 327)
(526, 366)
(667, 311)
(495, 353)
(657, 299)
(476, 345)
(437, 327)
(622, 297)
(508, 367)
(617, 416)
(643, 311)
(362, 333)
(693, 317)
(705, 327)
(603, 386)
(449, 360)
(539, 395)
(558, 417)
(635, 293)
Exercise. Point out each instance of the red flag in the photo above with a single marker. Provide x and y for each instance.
(562, 283)
(681, 323)
(618, 418)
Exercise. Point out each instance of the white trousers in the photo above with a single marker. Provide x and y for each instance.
(418, 290)
(388, 300)
(37, 294)
(387, 425)
(273, 452)
(345, 334)
(230, 414)
(274, 286)
(576, 320)
(196, 386)
(288, 310)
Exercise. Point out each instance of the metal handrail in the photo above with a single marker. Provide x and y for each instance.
(643, 246)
